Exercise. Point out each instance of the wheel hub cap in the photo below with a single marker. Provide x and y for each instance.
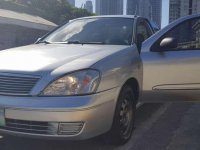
(125, 116)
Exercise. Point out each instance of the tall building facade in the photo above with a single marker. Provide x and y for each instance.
(174, 12)
(109, 7)
(180, 8)
(71, 2)
(150, 9)
(132, 7)
(89, 6)
(156, 11)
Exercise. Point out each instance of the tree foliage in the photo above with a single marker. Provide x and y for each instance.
(56, 11)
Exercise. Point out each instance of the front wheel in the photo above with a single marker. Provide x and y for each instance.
(123, 123)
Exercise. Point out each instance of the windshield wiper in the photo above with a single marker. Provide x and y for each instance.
(93, 43)
(72, 42)
(78, 42)
(67, 42)
(45, 42)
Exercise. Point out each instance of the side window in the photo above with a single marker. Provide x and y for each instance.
(143, 29)
(187, 35)
(143, 32)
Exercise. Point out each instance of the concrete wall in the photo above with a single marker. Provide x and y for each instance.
(14, 36)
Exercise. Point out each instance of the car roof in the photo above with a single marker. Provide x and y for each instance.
(110, 16)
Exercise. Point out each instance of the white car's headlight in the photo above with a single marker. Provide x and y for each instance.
(77, 83)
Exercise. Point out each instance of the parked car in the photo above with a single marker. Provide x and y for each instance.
(85, 78)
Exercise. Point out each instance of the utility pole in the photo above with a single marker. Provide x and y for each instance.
(151, 12)
(136, 10)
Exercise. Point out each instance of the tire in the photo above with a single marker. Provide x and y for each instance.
(123, 122)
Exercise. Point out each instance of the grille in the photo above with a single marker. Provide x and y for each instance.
(43, 128)
(72, 128)
(15, 85)
(33, 127)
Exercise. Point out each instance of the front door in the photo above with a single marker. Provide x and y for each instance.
(173, 73)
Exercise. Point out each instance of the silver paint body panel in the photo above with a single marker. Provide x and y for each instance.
(168, 76)
(116, 63)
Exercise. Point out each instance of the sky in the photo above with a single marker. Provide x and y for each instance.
(165, 9)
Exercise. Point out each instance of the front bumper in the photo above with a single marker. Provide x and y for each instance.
(93, 114)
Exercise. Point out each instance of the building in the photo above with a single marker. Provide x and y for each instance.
(180, 8)
(156, 11)
(196, 28)
(196, 6)
(109, 7)
(132, 7)
(89, 6)
(71, 2)
(18, 29)
(150, 9)
(174, 12)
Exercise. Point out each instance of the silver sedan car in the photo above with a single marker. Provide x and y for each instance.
(85, 78)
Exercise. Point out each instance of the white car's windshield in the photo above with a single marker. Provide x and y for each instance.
(111, 31)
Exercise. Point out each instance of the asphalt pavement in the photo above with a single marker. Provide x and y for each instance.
(170, 126)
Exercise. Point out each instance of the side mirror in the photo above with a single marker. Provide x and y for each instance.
(168, 43)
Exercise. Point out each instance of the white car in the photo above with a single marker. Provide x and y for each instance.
(85, 78)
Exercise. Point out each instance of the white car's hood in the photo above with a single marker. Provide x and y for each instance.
(47, 57)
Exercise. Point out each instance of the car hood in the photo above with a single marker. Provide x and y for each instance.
(40, 58)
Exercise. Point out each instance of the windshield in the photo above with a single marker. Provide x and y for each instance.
(111, 31)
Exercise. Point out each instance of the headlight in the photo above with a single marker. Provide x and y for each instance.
(77, 83)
